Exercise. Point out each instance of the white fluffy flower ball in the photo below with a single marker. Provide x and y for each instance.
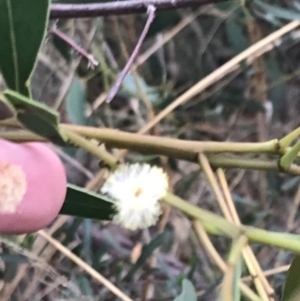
(136, 190)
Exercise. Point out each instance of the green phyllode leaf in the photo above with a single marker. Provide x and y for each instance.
(188, 292)
(130, 87)
(36, 116)
(76, 102)
(277, 12)
(23, 27)
(235, 36)
(291, 290)
(87, 204)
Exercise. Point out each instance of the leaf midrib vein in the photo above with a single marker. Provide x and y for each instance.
(13, 42)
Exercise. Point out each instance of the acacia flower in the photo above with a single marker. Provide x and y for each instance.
(136, 190)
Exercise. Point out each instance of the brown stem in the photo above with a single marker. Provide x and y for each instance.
(115, 88)
(54, 31)
(60, 11)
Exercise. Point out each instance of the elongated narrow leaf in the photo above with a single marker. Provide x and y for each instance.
(87, 204)
(279, 12)
(146, 253)
(23, 103)
(292, 284)
(76, 102)
(14, 258)
(235, 36)
(36, 116)
(188, 292)
(130, 87)
(23, 26)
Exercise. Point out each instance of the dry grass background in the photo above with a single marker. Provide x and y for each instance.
(192, 46)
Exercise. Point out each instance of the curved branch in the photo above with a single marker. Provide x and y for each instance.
(60, 11)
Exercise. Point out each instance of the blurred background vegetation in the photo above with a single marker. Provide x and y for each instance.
(258, 102)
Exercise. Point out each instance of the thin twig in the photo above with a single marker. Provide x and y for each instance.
(68, 81)
(293, 211)
(140, 93)
(213, 253)
(115, 88)
(84, 266)
(141, 59)
(92, 61)
(89, 175)
(271, 272)
(232, 216)
(102, 154)
(250, 259)
(249, 55)
(59, 11)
